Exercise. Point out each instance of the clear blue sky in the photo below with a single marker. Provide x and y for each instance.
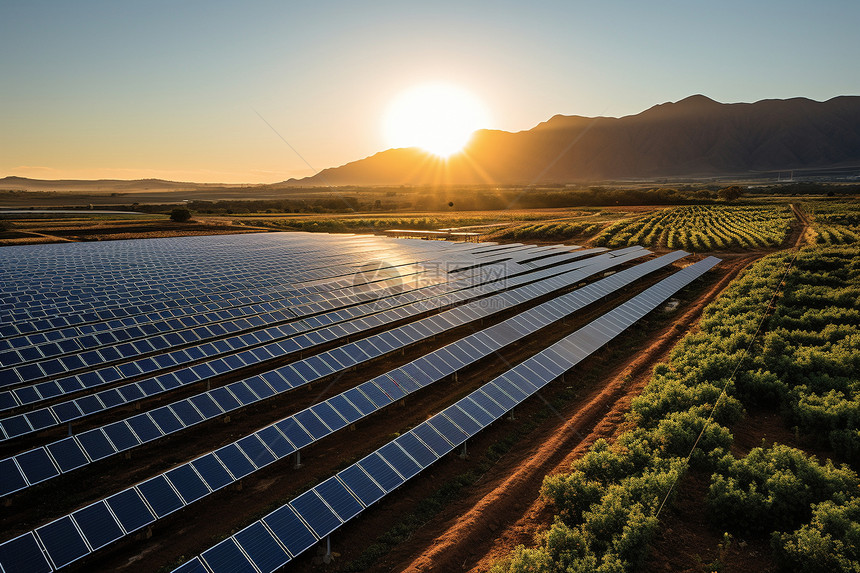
(171, 89)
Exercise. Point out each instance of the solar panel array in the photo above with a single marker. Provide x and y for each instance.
(246, 350)
(215, 470)
(295, 527)
(43, 463)
(88, 327)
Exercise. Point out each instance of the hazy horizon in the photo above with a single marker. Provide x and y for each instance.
(184, 92)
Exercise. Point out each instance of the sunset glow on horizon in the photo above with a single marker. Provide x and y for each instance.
(439, 118)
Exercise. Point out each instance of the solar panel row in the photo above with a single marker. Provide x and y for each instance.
(64, 412)
(35, 466)
(171, 267)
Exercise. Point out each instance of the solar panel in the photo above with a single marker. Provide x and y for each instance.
(416, 449)
(381, 472)
(36, 465)
(160, 496)
(276, 442)
(96, 444)
(23, 555)
(98, 525)
(361, 485)
(256, 451)
(212, 471)
(130, 510)
(235, 461)
(262, 547)
(63, 541)
(67, 453)
(290, 530)
(319, 516)
(338, 498)
(399, 460)
(226, 557)
(187, 483)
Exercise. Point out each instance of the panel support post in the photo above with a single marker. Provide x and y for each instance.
(327, 556)
(511, 417)
(298, 463)
(464, 453)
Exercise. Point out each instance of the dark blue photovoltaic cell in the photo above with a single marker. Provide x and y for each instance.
(206, 405)
(187, 483)
(394, 391)
(487, 403)
(262, 547)
(432, 438)
(62, 541)
(166, 419)
(419, 452)
(496, 394)
(235, 461)
(256, 451)
(290, 530)
(462, 420)
(96, 444)
(212, 471)
(121, 436)
(395, 456)
(475, 411)
(377, 396)
(328, 415)
(361, 485)
(160, 496)
(276, 442)
(295, 433)
(37, 465)
(193, 566)
(338, 498)
(241, 391)
(225, 399)
(445, 427)
(68, 454)
(315, 513)
(98, 525)
(259, 387)
(23, 555)
(130, 510)
(226, 557)
(144, 427)
(11, 478)
(381, 472)
(186, 412)
(420, 377)
(312, 424)
(360, 401)
(508, 387)
(344, 408)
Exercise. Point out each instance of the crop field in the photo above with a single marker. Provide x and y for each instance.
(702, 228)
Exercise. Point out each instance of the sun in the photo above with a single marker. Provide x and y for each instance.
(439, 118)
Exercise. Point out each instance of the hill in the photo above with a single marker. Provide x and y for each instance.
(694, 137)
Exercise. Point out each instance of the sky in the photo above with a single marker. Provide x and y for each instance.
(262, 91)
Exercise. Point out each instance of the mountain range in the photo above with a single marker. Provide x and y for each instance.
(694, 137)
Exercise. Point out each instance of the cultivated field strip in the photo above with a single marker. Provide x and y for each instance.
(277, 344)
(43, 463)
(273, 541)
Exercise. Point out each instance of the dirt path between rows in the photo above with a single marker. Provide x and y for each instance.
(505, 509)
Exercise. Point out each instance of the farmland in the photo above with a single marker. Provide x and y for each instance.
(769, 333)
